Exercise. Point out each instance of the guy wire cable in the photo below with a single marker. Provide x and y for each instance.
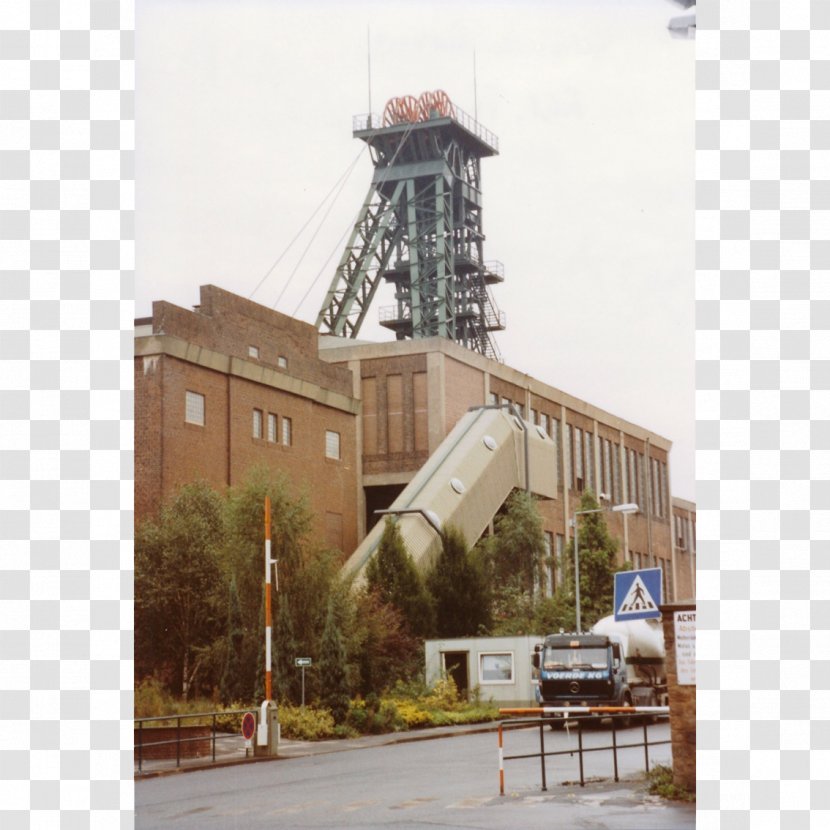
(276, 262)
(382, 179)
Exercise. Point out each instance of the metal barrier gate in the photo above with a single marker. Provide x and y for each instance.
(584, 713)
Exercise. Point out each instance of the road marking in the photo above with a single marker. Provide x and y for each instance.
(408, 805)
(358, 805)
(471, 803)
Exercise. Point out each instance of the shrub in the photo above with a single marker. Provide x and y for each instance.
(307, 724)
(151, 699)
(661, 782)
(444, 694)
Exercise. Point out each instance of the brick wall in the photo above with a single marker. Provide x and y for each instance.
(229, 324)
(394, 426)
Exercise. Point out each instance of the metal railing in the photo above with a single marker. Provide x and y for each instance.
(141, 745)
(614, 746)
(371, 120)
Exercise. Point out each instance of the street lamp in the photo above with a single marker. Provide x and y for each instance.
(619, 508)
(429, 516)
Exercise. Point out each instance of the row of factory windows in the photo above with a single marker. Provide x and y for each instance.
(623, 474)
(552, 575)
(268, 426)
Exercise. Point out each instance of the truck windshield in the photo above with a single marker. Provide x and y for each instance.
(575, 658)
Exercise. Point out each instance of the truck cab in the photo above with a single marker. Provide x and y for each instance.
(581, 670)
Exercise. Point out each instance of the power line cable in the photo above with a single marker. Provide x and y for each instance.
(277, 261)
(319, 228)
(380, 182)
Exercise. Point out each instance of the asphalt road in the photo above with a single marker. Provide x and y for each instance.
(448, 782)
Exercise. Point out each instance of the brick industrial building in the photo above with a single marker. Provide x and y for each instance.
(231, 384)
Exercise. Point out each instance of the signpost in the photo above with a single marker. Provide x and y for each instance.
(638, 594)
(301, 663)
(248, 729)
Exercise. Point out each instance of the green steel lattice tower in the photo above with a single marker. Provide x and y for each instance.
(420, 229)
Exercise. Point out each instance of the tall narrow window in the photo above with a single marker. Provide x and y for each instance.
(558, 556)
(332, 444)
(589, 461)
(272, 427)
(606, 455)
(568, 455)
(286, 431)
(257, 424)
(194, 408)
(615, 463)
(492, 399)
(580, 473)
(549, 564)
(557, 443)
(544, 422)
(533, 416)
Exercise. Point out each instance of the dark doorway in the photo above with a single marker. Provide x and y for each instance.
(456, 665)
(379, 498)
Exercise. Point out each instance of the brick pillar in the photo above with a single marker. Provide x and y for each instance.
(683, 709)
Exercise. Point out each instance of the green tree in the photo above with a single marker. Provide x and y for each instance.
(333, 668)
(393, 575)
(597, 563)
(231, 688)
(459, 588)
(517, 548)
(306, 572)
(179, 587)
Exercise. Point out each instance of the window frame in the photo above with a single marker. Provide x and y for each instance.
(339, 456)
(187, 397)
(287, 432)
(505, 653)
(256, 424)
(274, 419)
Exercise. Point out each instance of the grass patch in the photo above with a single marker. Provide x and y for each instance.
(660, 782)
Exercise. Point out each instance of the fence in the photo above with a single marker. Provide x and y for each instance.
(583, 714)
(188, 741)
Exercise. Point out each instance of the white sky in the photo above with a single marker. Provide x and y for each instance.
(244, 119)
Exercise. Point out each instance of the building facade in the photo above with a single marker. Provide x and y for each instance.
(232, 384)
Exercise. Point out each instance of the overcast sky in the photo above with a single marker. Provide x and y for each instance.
(244, 121)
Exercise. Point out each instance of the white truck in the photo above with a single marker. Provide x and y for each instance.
(615, 664)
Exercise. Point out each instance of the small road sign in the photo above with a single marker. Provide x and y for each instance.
(248, 725)
(638, 594)
(302, 661)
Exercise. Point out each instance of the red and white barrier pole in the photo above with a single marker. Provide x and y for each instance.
(501, 761)
(267, 598)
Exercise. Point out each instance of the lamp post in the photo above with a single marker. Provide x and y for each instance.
(619, 508)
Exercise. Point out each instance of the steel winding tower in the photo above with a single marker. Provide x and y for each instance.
(420, 229)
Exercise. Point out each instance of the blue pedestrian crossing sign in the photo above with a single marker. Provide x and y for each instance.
(638, 594)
